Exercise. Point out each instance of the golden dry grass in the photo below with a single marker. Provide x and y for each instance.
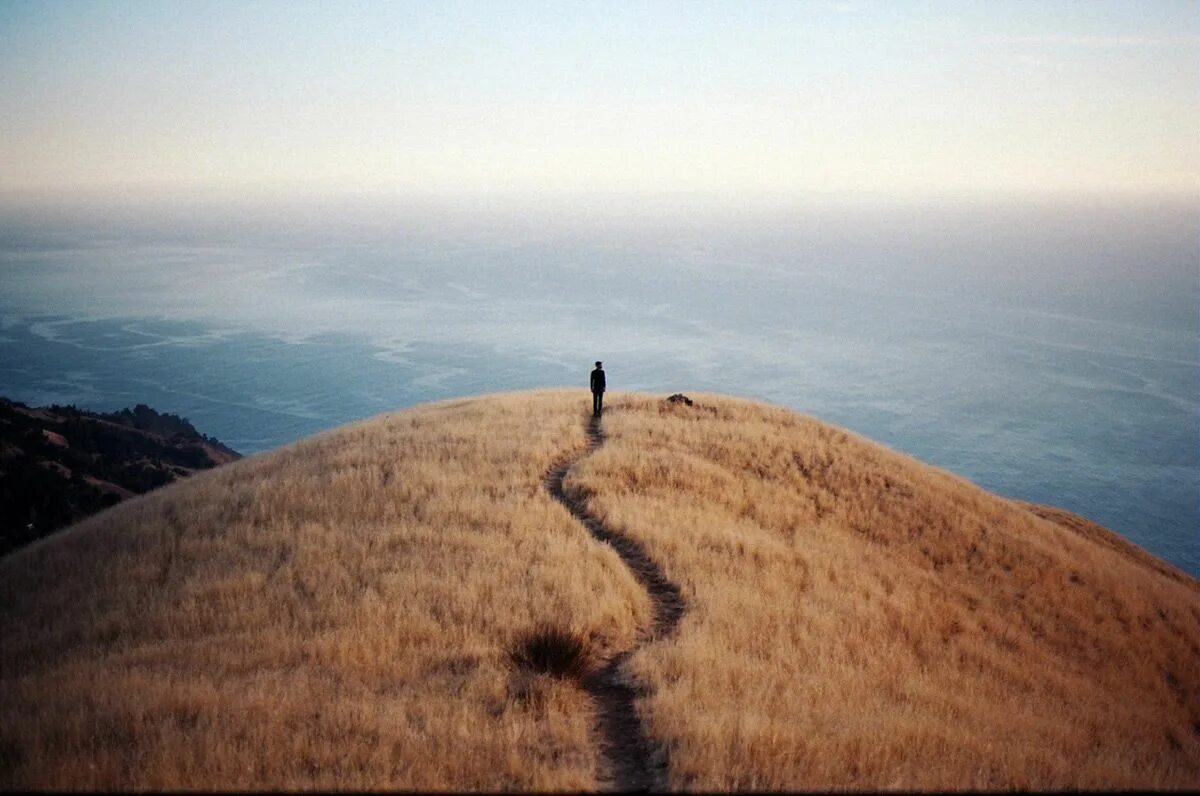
(343, 613)
(860, 620)
(337, 613)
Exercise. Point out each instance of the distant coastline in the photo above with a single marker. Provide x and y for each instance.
(59, 464)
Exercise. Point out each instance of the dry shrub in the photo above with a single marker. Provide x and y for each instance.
(558, 653)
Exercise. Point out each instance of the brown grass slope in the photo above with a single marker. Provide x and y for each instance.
(342, 612)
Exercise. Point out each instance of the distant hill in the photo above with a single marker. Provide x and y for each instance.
(498, 593)
(59, 464)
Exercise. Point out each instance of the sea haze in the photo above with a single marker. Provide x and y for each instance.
(1045, 350)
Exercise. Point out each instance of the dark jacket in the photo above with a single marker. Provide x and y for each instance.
(597, 380)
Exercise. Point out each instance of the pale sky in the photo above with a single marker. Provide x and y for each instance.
(737, 98)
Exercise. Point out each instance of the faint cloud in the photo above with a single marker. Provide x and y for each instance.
(1066, 39)
(843, 7)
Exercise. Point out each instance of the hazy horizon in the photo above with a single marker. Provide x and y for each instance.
(909, 99)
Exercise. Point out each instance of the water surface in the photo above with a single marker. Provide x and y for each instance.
(1045, 351)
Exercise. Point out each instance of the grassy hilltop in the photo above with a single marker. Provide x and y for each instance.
(354, 611)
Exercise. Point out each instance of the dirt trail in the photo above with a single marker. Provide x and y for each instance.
(632, 763)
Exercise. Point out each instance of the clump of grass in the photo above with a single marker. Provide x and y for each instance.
(558, 653)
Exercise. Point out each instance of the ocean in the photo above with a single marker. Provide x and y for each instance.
(1047, 350)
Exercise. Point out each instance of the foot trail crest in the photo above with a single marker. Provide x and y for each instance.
(630, 755)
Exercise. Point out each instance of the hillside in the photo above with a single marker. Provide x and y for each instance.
(59, 464)
(492, 593)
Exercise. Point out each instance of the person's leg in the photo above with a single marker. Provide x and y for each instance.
(599, 403)
(595, 403)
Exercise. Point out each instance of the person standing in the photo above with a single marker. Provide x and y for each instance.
(598, 389)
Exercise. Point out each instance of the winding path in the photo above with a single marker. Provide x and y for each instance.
(630, 755)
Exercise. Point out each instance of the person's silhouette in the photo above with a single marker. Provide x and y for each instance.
(598, 389)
